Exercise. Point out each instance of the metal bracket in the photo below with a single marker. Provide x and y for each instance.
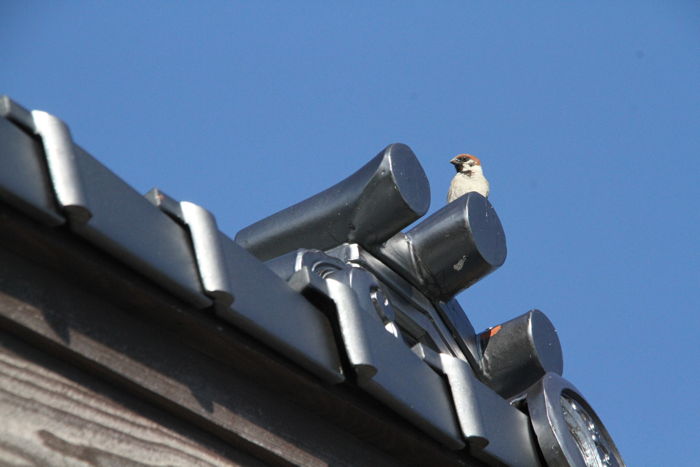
(63, 165)
(249, 295)
(493, 428)
(24, 179)
(206, 243)
(209, 253)
(335, 280)
(380, 359)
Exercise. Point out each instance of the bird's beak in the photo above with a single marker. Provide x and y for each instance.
(454, 161)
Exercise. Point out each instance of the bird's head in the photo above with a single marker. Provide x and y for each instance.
(466, 163)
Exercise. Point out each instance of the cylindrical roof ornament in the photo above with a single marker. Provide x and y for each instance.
(368, 207)
(450, 250)
(517, 353)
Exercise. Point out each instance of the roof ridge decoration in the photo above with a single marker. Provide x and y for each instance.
(403, 338)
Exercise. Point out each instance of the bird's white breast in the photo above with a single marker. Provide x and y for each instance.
(463, 184)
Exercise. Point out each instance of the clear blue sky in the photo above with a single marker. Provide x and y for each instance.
(586, 116)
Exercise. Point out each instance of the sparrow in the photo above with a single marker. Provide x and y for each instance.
(470, 177)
